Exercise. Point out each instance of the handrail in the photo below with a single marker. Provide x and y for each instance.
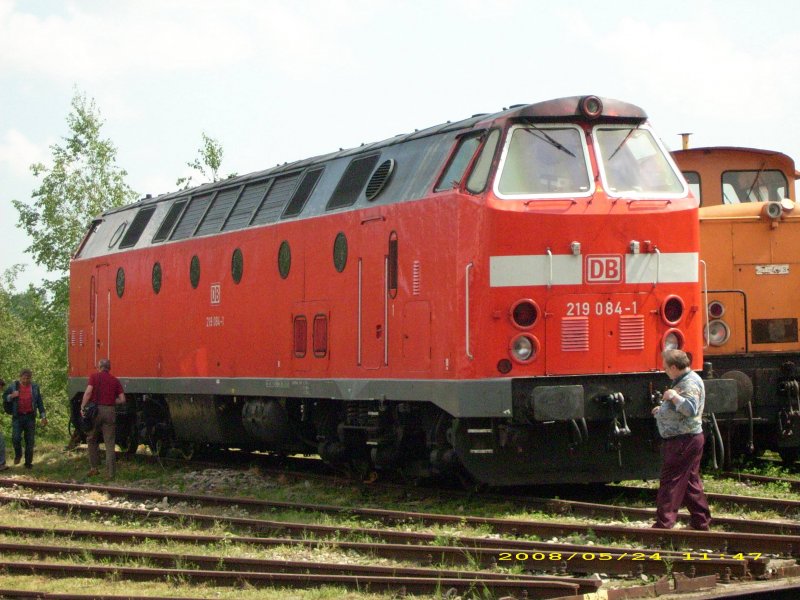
(386, 310)
(658, 265)
(550, 260)
(468, 270)
(360, 294)
(705, 295)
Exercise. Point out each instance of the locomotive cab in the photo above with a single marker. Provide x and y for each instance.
(749, 226)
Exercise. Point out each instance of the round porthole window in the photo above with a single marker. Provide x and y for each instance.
(340, 252)
(157, 277)
(284, 259)
(194, 271)
(120, 282)
(237, 265)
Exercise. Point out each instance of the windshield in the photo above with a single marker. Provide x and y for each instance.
(546, 161)
(634, 164)
(753, 186)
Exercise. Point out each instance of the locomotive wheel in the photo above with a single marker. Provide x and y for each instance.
(129, 443)
(159, 444)
(788, 455)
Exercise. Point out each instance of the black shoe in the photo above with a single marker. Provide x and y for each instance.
(17, 460)
(4, 467)
(28, 466)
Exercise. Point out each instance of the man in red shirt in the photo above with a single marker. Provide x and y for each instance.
(26, 400)
(105, 391)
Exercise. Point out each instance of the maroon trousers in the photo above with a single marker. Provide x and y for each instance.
(680, 482)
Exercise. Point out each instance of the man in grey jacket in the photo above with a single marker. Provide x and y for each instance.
(680, 422)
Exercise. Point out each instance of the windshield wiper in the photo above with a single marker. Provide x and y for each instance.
(755, 181)
(622, 143)
(549, 139)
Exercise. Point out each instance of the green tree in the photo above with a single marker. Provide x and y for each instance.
(207, 163)
(83, 181)
(25, 343)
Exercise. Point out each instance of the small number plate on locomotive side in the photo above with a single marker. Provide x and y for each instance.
(772, 269)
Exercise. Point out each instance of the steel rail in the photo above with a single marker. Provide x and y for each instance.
(726, 543)
(36, 595)
(755, 502)
(793, 484)
(422, 585)
(574, 558)
(234, 563)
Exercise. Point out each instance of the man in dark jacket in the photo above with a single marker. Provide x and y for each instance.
(26, 399)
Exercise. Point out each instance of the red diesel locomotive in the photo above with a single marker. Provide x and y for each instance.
(487, 298)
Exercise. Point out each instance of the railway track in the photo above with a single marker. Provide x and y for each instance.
(558, 507)
(559, 558)
(627, 559)
(792, 484)
(308, 575)
(785, 507)
(722, 543)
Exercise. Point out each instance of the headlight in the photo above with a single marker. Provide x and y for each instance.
(672, 340)
(718, 333)
(524, 348)
(524, 313)
(716, 309)
(672, 310)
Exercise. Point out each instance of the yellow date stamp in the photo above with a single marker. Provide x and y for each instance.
(607, 556)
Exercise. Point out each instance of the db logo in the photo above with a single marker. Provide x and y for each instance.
(604, 269)
(216, 293)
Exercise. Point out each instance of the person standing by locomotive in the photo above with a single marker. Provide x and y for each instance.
(679, 419)
(3, 465)
(26, 399)
(106, 391)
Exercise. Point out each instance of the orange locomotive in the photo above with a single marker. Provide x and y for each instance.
(487, 298)
(748, 228)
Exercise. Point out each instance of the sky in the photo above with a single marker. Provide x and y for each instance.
(279, 80)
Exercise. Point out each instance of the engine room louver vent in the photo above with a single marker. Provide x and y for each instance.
(134, 232)
(251, 198)
(631, 332)
(380, 177)
(352, 182)
(169, 221)
(191, 217)
(215, 215)
(279, 194)
(575, 334)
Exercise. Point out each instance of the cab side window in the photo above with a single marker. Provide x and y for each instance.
(458, 162)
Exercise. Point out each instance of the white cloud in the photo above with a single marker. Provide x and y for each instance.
(93, 43)
(701, 68)
(19, 153)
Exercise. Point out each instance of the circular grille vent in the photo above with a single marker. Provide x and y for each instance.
(237, 265)
(194, 271)
(284, 259)
(379, 179)
(157, 277)
(120, 282)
